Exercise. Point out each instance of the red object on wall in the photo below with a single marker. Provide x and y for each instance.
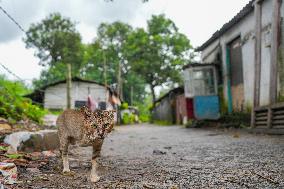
(189, 108)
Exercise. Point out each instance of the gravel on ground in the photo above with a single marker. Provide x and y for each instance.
(149, 156)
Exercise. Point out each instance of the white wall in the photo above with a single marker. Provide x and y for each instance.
(245, 29)
(265, 52)
(55, 96)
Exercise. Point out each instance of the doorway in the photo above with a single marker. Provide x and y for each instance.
(236, 75)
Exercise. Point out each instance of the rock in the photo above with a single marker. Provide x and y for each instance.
(3, 120)
(33, 170)
(33, 141)
(4, 125)
(159, 152)
(50, 120)
(9, 171)
(11, 150)
(48, 154)
(168, 147)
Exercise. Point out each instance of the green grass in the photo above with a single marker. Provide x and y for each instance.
(162, 123)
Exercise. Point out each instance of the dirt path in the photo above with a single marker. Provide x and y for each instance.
(146, 156)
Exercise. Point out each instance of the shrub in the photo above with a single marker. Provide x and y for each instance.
(162, 123)
(124, 106)
(144, 113)
(144, 118)
(14, 106)
(128, 118)
(125, 119)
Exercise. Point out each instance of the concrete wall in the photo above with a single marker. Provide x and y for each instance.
(55, 96)
(245, 29)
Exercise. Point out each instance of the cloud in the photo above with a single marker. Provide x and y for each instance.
(20, 60)
(89, 13)
(22, 11)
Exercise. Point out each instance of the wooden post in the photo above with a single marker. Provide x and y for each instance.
(69, 85)
(119, 82)
(275, 42)
(257, 59)
(269, 117)
(274, 51)
(105, 77)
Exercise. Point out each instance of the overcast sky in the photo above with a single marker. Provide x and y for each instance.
(198, 19)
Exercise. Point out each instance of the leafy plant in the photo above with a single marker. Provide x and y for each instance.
(128, 118)
(125, 119)
(3, 148)
(14, 156)
(13, 105)
(124, 106)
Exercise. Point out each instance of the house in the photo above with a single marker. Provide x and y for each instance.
(248, 50)
(53, 96)
(171, 107)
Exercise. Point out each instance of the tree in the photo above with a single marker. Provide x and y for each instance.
(104, 57)
(113, 38)
(159, 53)
(56, 42)
(93, 69)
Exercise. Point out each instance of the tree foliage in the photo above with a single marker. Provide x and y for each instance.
(159, 53)
(57, 43)
(109, 48)
(55, 39)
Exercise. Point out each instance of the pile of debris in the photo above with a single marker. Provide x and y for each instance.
(11, 163)
(24, 146)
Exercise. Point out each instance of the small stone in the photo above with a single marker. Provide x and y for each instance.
(159, 152)
(5, 126)
(167, 147)
(49, 154)
(33, 170)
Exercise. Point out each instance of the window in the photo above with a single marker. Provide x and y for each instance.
(79, 104)
(203, 82)
(200, 81)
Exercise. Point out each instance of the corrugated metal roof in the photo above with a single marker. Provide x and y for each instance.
(243, 13)
(199, 65)
(173, 91)
(73, 79)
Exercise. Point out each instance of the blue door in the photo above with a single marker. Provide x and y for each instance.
(206, 107)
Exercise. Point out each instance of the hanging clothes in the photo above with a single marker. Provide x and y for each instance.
(92, 105)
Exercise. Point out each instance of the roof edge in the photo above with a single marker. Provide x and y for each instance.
(248, 8)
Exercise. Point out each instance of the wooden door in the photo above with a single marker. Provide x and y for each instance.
(236, 73)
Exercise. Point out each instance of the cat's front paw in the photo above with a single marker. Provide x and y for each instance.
(66, 170)
(95, 178)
